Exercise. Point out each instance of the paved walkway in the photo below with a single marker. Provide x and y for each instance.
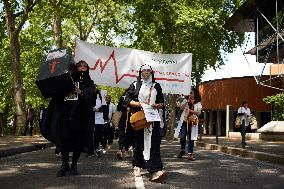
(252, 145)
(11, 145)
(13, 141)
(211, 170)
(262, 150)
(272, 152)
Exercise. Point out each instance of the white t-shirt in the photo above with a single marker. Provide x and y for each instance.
(111, 110)
(99, 116)
(246, 115)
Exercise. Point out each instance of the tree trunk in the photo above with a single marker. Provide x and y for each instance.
(57, 30)
(19, 95)
(172, 119)
(18, 90)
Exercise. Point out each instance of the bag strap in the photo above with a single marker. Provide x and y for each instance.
(126, 124)
(150, 93)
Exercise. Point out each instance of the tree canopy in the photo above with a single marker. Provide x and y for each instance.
(167, 26)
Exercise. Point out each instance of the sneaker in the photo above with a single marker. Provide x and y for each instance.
(63, 170)
(104, 151)
(137, 171)
(99, 153)
(58, 154)
(158, 176)
(119, 154)
(126, 155)
(191, 157)
(181, 153)
(243, 144)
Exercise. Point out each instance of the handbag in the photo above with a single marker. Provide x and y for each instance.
(253, 123)
(116, 118)
(138, 120)
(238, 122)
(192, 119)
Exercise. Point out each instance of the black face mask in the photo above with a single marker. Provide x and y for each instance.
(81, 76)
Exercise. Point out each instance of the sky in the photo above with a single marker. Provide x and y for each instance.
(237, 64)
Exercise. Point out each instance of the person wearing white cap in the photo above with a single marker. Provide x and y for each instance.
(146, 152)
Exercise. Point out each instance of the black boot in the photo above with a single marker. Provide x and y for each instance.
(63, 170)
(75, 158)
(74, 170)
(181, 153)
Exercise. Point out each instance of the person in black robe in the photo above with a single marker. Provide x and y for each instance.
(125, 130)
(67, 120)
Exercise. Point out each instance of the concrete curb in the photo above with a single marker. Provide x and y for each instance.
(270, 158)
(4, 152)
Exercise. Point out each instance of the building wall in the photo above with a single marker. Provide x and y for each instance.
(217, 94)
(276, 69)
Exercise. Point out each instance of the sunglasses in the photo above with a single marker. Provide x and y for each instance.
(82, 65)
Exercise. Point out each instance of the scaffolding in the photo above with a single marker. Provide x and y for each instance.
(266, 19)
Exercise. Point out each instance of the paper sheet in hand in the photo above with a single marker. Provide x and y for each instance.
(72, 95)
(150, 113)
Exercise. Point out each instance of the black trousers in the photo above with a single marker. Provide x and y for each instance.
(29, 124)
(109, 133)
(154, 164)
(71, 140)
(243, 133)
(125, 138)
(99, 136)
(89, 140)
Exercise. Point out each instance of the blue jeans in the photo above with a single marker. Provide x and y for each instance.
(183, 133)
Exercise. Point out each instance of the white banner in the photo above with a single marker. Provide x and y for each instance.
(119, 67)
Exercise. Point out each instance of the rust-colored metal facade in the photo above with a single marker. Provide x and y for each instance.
(217, 94)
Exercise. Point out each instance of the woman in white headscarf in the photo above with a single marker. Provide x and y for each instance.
(146, 152)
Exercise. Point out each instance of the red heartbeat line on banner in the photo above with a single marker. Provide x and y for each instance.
(117, 79)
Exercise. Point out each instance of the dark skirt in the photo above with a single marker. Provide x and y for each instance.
(154, 164)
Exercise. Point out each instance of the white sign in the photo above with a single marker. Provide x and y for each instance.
(72, 95)
(150, 113)
(119, 67)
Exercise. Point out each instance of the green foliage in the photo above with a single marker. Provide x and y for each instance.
(101, 22)
(5, 71)
(277, 101)
(177, 26)
(169, 26)
(115, 93)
